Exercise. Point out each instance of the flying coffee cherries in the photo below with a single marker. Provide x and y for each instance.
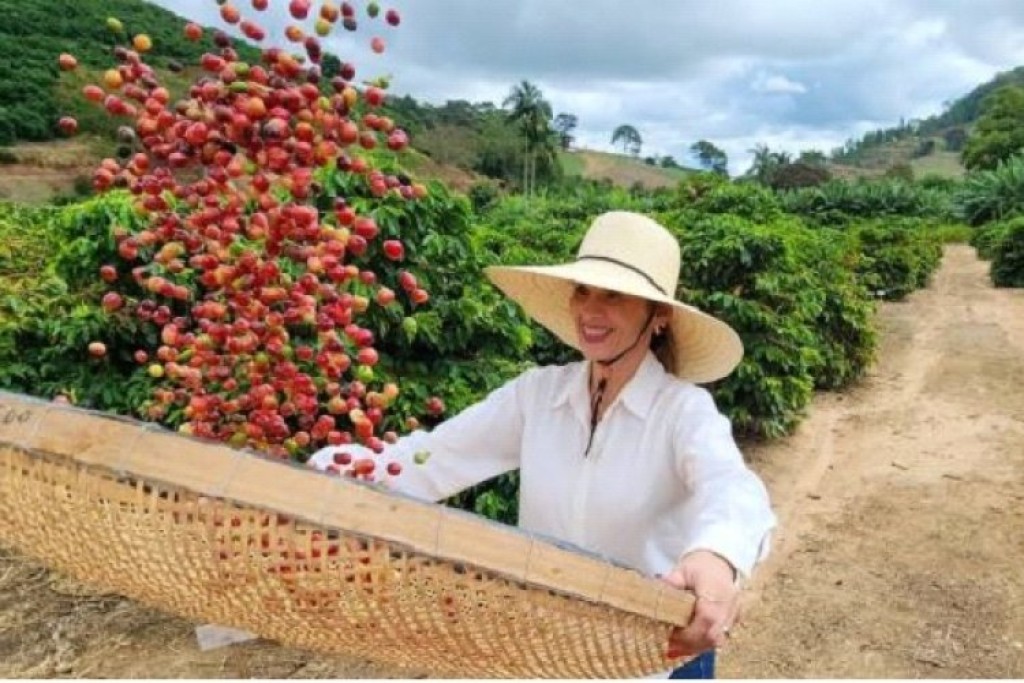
(255, 292)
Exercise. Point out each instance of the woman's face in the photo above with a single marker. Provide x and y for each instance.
(608, 322)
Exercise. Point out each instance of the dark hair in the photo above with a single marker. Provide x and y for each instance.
(664, 348)
(664, 345)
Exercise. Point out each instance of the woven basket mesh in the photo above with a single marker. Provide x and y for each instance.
(323, 563)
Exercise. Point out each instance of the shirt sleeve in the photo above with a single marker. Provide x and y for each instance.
(729, 510)
(480, 442)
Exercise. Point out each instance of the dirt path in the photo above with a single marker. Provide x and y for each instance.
(900, 554)
(902, 504)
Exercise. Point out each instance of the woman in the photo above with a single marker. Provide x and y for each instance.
(620, 453)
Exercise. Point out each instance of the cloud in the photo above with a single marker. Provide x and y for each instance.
(791, 74)
(777, 85)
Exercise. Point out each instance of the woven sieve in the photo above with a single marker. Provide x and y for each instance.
(214, 534)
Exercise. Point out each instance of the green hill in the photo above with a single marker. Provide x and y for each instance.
(34, 32)
(965, 110)
(931, 145)
(460, 142)
(879, 158)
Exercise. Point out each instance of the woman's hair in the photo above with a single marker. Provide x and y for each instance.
(664, 348)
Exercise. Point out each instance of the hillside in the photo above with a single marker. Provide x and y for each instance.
(39, 172)
(620, 169)
(939, 164)
(877, 159)
(931, 145)
(34, 32)
(460, 142)
(965, 110)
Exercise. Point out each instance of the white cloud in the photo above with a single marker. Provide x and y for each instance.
(777, 85)
(791, 74)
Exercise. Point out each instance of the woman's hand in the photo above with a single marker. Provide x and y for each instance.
(323, 458)
(713, 580)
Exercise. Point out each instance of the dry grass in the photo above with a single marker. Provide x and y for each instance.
(622, 170)
(844, 172)
(76, 153)
(45, 170)
(943, 164)
(425, 168)
(35, 186)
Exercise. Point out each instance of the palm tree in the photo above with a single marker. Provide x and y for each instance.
(629, 137)
(711, 157)
(564, 126)
(766, 162)
(533, 114)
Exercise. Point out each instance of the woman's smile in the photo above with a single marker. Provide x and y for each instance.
(594, 334)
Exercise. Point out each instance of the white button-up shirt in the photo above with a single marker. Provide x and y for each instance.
(663, 476)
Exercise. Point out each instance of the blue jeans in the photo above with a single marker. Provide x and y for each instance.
(702, 666)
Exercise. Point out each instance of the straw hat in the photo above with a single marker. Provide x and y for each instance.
(629, 253)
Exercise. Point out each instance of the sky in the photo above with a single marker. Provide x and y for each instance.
(790, 74)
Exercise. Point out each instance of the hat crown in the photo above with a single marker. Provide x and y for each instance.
(637, 243)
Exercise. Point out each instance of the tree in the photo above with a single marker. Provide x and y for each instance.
(710, 157)
(799, 174)
(812, 157)
(924, 148)
(955, 139)
(564, 125)
(999, 133)
(629, 137)
(458, 113)
(499, 149)
(8, 131)
(450, 145)
(766, 164)
(532, 113)
(763, 164)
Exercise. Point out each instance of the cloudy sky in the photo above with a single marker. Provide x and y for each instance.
(791, 74)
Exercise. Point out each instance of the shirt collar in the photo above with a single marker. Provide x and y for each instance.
(639, 393)
(574, 391)
(637, 396)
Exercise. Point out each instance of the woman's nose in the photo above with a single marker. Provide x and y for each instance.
(590, 304)
(584, 302)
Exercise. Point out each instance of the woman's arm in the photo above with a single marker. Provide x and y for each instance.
(728, 530)
(473, 446)
(729, 511)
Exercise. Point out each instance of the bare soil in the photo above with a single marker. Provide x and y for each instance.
(902, 504)
(899, 554)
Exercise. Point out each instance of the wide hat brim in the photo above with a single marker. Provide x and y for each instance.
(707, 349)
